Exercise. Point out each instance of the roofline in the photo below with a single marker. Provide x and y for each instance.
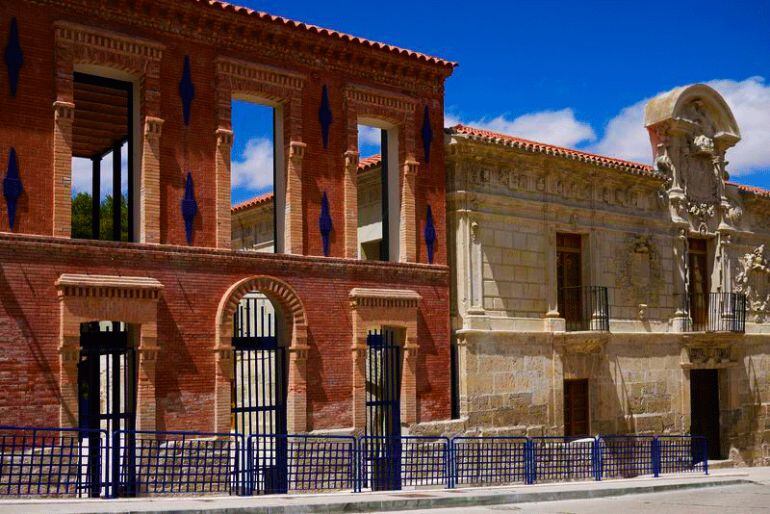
(488, 136)
(315, 29)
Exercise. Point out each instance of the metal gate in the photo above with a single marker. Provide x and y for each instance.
(383, 410)
(106, 399)
(259, 391)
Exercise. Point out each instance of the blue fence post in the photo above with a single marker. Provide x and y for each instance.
(452, 466)
(705, 456)
(530, 465)
(597, 458)
(655, 456)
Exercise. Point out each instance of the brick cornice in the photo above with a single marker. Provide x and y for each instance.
(105, 40)
(108, 286)
(384, 298)
(130, 254)
(281, 43)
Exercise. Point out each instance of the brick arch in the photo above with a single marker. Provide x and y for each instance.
(277, 291)
(286, 299)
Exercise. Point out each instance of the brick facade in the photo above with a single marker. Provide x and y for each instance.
(49, 283)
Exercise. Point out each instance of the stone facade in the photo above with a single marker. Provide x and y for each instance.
(508, 199)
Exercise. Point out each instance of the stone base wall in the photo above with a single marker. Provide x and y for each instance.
(638, 383)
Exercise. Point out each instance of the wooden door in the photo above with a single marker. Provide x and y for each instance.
(576, 408)
(699, 283)
(704, 408)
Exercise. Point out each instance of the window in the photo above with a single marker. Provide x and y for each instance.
(257, 172)
(569, 272)
(102, 159)
(698, 278)
(378, 193)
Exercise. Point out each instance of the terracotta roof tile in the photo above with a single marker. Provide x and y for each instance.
(752, 189)
(252, 202)
(228, 7)
(568, 153)
(368, 163)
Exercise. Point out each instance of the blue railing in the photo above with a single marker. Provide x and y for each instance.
(59, 462)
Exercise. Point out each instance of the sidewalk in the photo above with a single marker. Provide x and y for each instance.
(390, 501)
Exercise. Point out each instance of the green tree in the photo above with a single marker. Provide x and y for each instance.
(81, 217)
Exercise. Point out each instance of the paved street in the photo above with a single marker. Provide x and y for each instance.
(722, 500)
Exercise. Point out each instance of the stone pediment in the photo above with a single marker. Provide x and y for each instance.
(691, 128)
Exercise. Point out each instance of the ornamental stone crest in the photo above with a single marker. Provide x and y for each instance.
(691, 129)
(639, 274)
(754, 281)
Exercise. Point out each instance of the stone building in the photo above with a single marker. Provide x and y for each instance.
(160, 299)
(594, 295)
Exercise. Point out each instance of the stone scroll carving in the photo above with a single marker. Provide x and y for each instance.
(753, 280)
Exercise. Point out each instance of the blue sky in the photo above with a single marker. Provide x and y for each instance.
(568, 73)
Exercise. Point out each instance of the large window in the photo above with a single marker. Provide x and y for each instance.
(378, 193)
(257, 175)
(102, 159)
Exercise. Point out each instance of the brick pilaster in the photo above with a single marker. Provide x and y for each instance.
(296, 402)
(409, 381)
(149, 194)
(350, 195)
(147, 354)
(64, 115)
(294, 220)
(408, 225)
(222, 183)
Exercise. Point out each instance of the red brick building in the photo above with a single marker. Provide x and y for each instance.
(159, 77)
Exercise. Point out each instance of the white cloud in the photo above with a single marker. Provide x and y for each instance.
(253, 169)
(626, 137)
(555, 127)
(369, 136)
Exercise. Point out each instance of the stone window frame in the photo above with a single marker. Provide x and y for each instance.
(132, 300)
(81, 45)
(276, 87)
(400, 112)
(286, 300)
(373, 309)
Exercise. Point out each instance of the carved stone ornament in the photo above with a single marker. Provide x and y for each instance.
(691, 128)
(639, 276)
(584, 343)
(708, 355)
(754, 281)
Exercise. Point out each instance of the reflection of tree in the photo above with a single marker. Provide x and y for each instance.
(81, 217)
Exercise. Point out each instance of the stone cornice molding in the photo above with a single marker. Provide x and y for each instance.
(108, 286)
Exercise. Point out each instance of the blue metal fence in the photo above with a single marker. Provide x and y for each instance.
(53, 462)
(392, 462)
(489, 460)
(301, 463)
(190, 463)
(79, 463)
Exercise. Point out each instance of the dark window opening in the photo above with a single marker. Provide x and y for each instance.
(102, 159)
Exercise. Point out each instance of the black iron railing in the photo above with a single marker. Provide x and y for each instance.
(718, 312)
(585, 308)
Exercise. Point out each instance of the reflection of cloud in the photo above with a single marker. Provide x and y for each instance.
(82, 173)
(253, 169)
(554, 127)
(626, 137)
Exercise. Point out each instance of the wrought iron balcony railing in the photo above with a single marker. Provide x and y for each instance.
(718, 312)
(585, 308)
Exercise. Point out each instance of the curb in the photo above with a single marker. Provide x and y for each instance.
(406, 503)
